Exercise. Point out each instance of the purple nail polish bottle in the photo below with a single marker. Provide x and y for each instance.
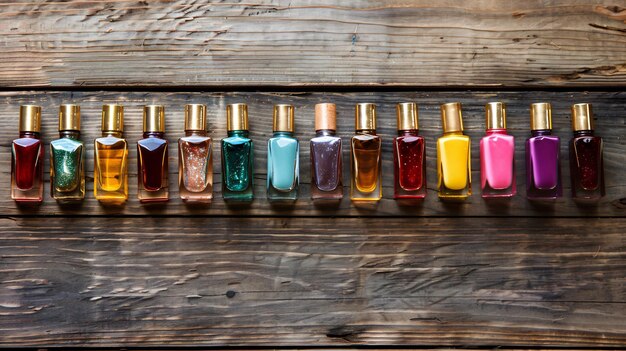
(543, 163)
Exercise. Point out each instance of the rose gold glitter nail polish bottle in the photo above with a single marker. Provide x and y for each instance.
(195, 157)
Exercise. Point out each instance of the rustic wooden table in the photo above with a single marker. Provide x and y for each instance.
(473, 275)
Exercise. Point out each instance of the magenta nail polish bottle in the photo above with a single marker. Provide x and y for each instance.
(543, 162)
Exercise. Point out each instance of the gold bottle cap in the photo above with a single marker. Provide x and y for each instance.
(283, 118)
(451, 117)
(195, 117)
(30, 118)
(541, 116)
(582, 117)
(365, 116)
(325, 116)
(112, 118)
(69, 117)
(495, 113)
(154, 118)
(236, 117)
(406, 114)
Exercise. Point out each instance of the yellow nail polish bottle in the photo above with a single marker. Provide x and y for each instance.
(453, 155)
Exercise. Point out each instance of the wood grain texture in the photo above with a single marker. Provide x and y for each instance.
(609, 109)
(301, 281)
(326, 42)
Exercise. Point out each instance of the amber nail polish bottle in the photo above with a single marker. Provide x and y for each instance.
(365, 151)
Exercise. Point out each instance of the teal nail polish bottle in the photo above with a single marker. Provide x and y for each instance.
(282, 157)
(237, 156)
(67, 158)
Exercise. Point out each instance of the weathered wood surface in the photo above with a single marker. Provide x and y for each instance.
(477, 274)
(328, 42)
(302, 281)
(609, 109)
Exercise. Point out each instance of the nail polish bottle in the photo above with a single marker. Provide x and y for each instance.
(365, 156)
(152, 161)
(326, 173)
(543, 163)
(453, 155)
(497, 155)
(195, 157)
(67, 158)
(237, 156)
(585, 150)
(27, 157)
(111, 158)
(283, 165)
(409, 155)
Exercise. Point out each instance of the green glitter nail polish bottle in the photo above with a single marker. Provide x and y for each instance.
(67, 158)
(237, 156)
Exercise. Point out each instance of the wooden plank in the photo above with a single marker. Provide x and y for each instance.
(300, 281)
(329, 42)
(609, 108)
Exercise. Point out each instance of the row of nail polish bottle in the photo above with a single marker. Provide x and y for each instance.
(67, 155)
(111, 157)
(497, 155)
(543, 165)
(195, 156)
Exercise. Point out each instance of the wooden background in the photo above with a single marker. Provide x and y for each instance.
(428, 274)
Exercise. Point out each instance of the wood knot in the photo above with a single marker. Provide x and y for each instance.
(620, 203)
(230, 294)
(345, 332)
(617, 13)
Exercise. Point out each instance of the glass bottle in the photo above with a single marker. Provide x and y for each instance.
(326, 165)
(67, 158)
(453, 155)
(585, 149)
(237, 156)
(195, 157)
(283, 161)
(27, 157)
(409, 155)
(497, 155)
(365, 151)
(152, 161)
(543, 163)
(111, 158)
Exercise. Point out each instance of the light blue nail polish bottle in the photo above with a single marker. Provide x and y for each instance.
(283, 164)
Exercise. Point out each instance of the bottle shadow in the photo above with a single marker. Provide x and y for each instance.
(365, 206)
(455, 206)
(589, 206)
(544, 206)
(498, 205)
(327, 204)
(416, 202)
(28, 207)
(71, 207)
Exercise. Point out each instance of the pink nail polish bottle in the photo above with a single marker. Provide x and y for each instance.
(497, 155)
